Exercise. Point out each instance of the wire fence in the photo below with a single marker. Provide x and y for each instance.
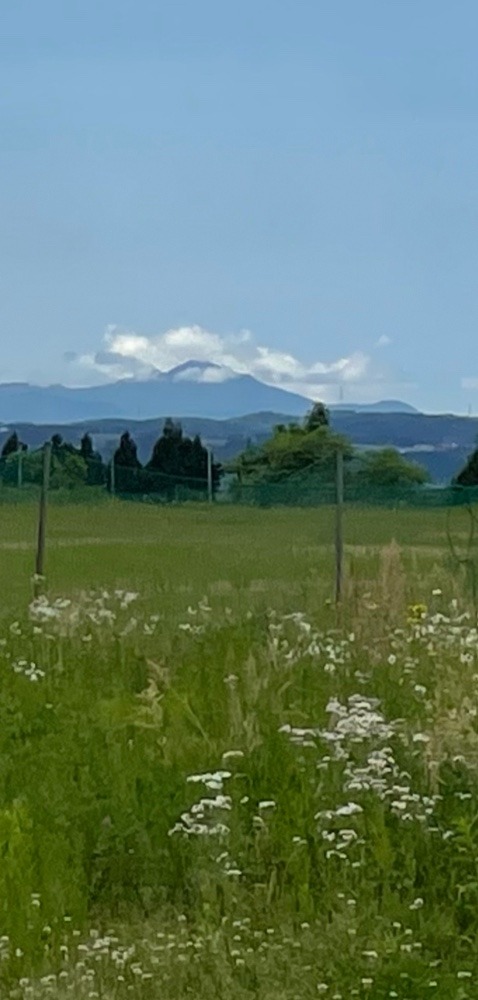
(61, 477)
(77, 480)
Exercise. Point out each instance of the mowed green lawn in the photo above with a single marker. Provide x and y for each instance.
(189, 550)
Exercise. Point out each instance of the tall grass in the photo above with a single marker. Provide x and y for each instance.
(214, 785)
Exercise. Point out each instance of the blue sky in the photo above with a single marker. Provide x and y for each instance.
(174, 174)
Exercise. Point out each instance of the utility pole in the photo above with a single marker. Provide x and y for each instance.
(112, 477)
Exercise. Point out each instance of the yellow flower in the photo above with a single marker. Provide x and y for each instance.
(416, 612)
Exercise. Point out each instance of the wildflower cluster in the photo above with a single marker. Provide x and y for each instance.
(201, 619)
(292, 639)
(67, 616)
(290, 787)
(202, 817)
(28, 669)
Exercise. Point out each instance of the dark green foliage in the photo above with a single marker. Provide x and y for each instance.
(9, 459)
(296, 463)
(178, 467)
(387, 468)
(179, 464)
(70, 467)
(67, 469)
(469, 474)
(12, 445)
(86, 447)
(128, 468)
(56, 442)
(126, 455)
(96, 472)
(317, 417)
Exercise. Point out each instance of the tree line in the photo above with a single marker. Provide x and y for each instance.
(298, 462)
(294, 464)
(177, 464)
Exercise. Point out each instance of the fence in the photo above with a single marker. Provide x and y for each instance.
(315, 488)
(70, 481)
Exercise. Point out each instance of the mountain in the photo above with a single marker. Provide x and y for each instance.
(194, 389)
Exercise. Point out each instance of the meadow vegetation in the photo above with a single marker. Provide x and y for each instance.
(215, 784)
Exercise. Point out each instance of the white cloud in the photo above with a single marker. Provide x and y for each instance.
(127, 354)
(383, 341)
(209, 374)
(469, 383)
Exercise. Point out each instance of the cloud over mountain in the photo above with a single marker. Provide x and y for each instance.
(132, 355)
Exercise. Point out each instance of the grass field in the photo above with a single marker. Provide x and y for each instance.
(187, 549)
(215, 784)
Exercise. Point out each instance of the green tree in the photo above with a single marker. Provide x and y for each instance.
(179, 464)
(469, 474)
(387, 469)
(9, 459)
(96, 473)
(68, 468)
(12, 445)
(128, 468)
(296, 464)
(318, 416)
(126, 455)
(56, 442)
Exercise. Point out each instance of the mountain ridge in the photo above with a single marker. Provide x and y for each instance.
(440, 442)
(145, 399)
(183, 391)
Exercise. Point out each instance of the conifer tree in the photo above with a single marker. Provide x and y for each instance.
(127, 466)
(179, 463)
(12, 445)
(469, 474)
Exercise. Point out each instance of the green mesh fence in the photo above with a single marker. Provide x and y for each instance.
(74, 480)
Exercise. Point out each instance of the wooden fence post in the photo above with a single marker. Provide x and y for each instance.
(20, 454)
(40, 554)
(339, 538)
(210, 491)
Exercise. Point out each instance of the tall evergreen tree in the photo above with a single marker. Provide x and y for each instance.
(12, 445)
(56, 442)
(96, 473)
(126, 455)
(469, 474)
(318, 416)
(179, 463)
(9, 467)
(86, 447)
(127, 465)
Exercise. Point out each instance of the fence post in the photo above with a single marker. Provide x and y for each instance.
(40, 554)
(339, 538)
(20, 454)
(210, 493)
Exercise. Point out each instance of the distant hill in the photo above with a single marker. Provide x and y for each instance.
(193, 389)
(439, 442)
